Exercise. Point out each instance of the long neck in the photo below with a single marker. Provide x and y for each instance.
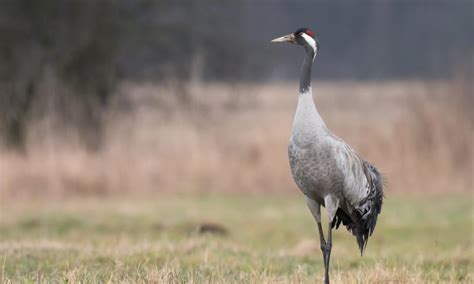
(305, 80)
(308, 125)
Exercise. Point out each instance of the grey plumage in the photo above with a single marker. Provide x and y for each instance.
(316, 169)
(367, 211)
(326, 169)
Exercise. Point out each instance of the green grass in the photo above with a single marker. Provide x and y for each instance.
(271, 239)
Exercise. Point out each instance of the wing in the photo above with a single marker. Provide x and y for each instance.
(363, 194)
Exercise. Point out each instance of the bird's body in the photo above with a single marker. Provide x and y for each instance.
(326, 169)
(324, 166)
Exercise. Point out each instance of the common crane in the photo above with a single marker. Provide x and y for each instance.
(326, 169)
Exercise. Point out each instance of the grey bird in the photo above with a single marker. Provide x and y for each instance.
(326, 169)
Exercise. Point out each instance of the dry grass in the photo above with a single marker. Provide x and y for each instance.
(270, 239)
(232, 138)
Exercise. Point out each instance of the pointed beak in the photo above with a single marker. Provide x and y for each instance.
(286, 38)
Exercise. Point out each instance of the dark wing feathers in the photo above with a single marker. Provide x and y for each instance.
(361, 222)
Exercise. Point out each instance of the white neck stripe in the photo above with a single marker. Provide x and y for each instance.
(311, 42)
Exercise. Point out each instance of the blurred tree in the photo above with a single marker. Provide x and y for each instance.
(85, 45)
(73, 41)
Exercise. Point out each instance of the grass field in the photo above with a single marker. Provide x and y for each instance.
(251, 239)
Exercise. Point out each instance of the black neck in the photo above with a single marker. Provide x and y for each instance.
(305, 80)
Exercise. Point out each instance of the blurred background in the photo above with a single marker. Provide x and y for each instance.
(99, 98)
(146, 141)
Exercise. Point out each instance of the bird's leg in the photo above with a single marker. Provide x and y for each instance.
(322, 241)
(315, 209)
(327, 253)
(331, 203)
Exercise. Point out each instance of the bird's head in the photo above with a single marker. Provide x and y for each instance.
(305, 37)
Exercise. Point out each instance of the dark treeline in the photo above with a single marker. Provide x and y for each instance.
(65, 57)
(57, 58)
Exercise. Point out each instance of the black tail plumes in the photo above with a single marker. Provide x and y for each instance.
(364, 218)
